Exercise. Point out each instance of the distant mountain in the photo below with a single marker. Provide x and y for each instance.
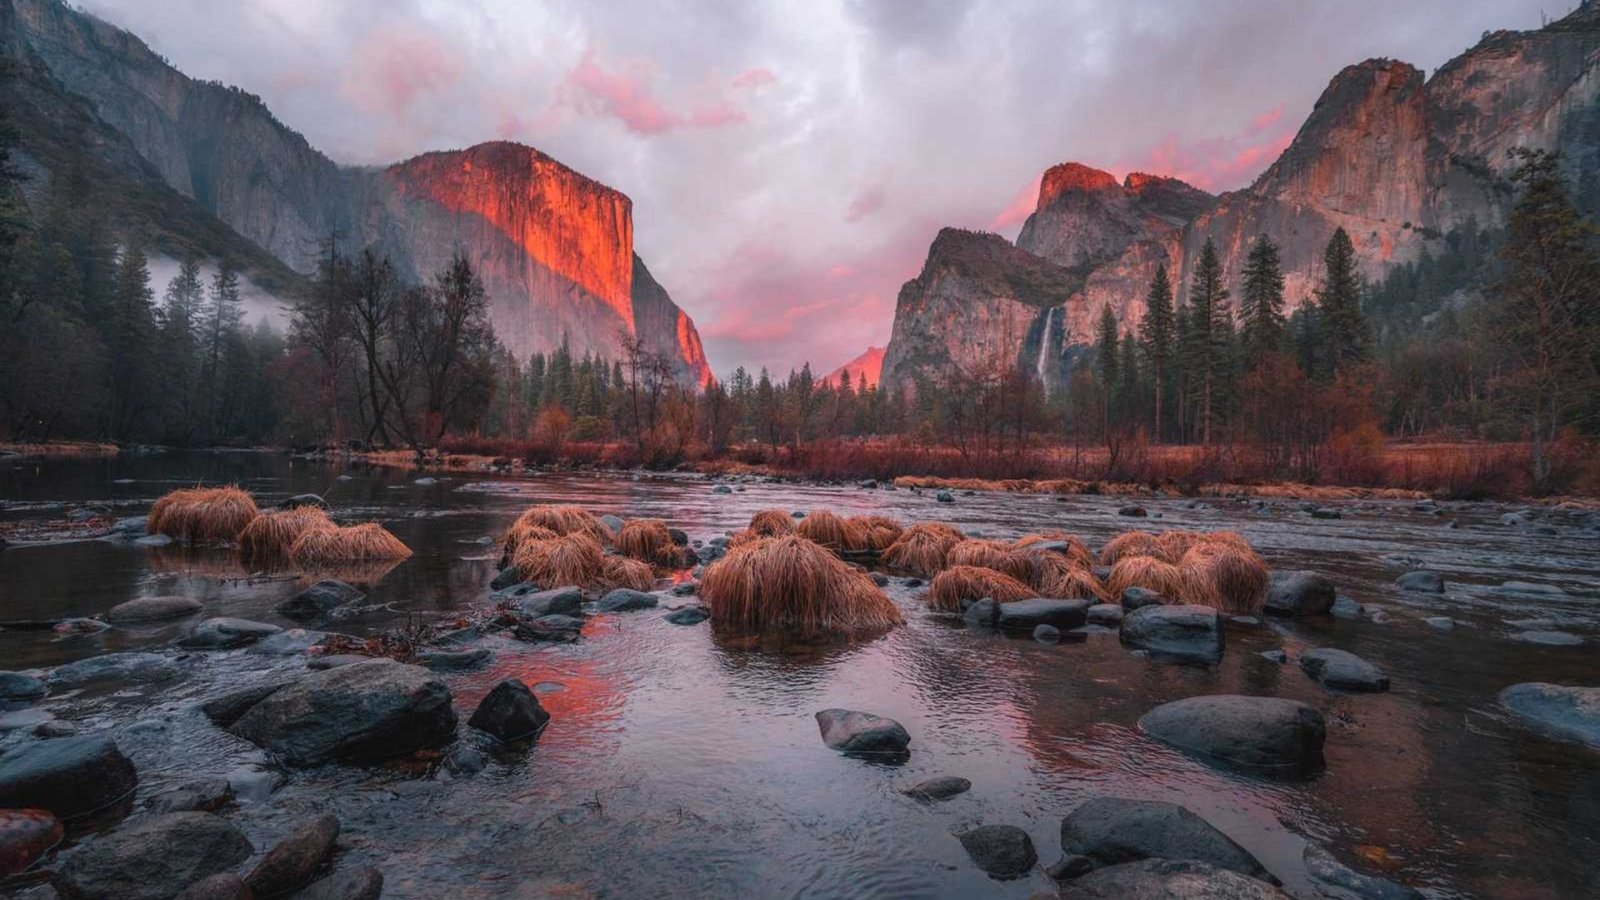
(1398, 161)
(199, 167)
(868, 365)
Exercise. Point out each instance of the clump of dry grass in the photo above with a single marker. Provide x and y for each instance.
(878, 532)
(959, 583)
(771, 523)
(922, 548)
(1076, 549)
(269, 536)
(573, 559)
(559, 521)
(991, 555)
(1061, 577)
(622, 572)
(649, 541)
(354, 543)
(1238, 578)
(826, 529)
(1175, 584)
(1130, 543)
(794, 587)
(203, 515)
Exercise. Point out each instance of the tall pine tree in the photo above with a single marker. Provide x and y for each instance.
(1261, 302)
(1106, 344)
(1158, 335)
(1211, 319)
(1345, 338)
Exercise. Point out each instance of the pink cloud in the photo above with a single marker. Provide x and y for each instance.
(629, 96)
(1019, 209)
(1267, 119)
(868, 201)
(394, 66)
(753, 79)
(1219, 163)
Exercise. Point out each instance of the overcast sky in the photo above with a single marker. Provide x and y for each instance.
(790, 162)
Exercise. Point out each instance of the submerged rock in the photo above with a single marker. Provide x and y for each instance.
(510, 712)
(154, 858)
(1548, 638)
(982, 613)
(942, 787)
(1137, 597)
(25, 836)
(944, 497)
(360, 883)
(301, 500)
(319, 600)
(226, 709)
(225, 633)
(689, 615)
(1254, 732)
(1422, 581)
(133, 666)
(1025, 615)
(1299, 594)
(365, 711)
(560, 600)
(295, 859)
(1168, 879)
(17, 686)
(1112, 830)
(859, 732)
(200, 795)
(1342, 669)
(1002, 851)
(222, 886)
(1327, 870)
(1441, 623)
(1346, 608)
(1530, 590)
(1046, 634)
(153, 609)
(1188, 631)
(1563, 711)
(71, 777)
(451, 660)
(627, 600)
(1107, 614)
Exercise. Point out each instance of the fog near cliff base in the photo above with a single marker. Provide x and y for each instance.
(256, 303)
(790, 162)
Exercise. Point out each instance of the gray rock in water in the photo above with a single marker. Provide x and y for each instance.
(1168, 879)
(1327, 870)
(225, 633)
(334, 660)
(1299, 594)
(426, 481)
(722, 489)
(982, 614)
(627, 600)
(560, 600)
(365, 711)
(289, 642)
(1277, 656)
(1441, 623)
(1530, 590)
(613, 522)
(302, 500)
(451, 660)
(155, 858)
(1136, 512)
(1187, 631)
(17, 686)
(124, 667)
(1025, 615)
(505, 579)
(200, 795)
(689, 615)
(319, 600)
(1342, 669)
(1137, 597)
(1002, 851)
(859, 732)
(1563, 711)
(152, 609)
(1422, 581)
(73, 778)
(227, 708)
(1326, 512)
(153, 540)
(1548, 638)
(360, 883)
(1046, 634)
(1112, 830)
(1107, 614)
(294, 860)
(1253, 732)
(222, 886)
(1346, 608)
(941, 788)
(944, 497)
(510, 712)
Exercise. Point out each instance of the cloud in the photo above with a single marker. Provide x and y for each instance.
(868, 201)
(629, 96)
(396, 65)
(1019, 209)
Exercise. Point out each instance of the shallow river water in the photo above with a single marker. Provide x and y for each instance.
(676, 765)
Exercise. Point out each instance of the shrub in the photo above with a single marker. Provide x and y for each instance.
(202, 515)
(354, 543)
(649, 540)
(794, 587)
(269, 536)
(921, 549)
(959, 583)
(991, 555)
(573, 559)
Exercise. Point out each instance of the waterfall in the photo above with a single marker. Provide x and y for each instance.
(1044, 349)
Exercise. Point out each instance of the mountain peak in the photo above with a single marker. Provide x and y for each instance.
(868, 365)
(1073, 176)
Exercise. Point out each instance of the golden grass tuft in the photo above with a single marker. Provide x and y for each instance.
(959, 583)
(649, 541)
(353, 543)
(771, 523)
(573, 559)
(1077, 550)
(794, 587)
(921, 549)
(995, 555)
(622, 572)
(1060, 577)
(1175, 584)
(826, 529)
(1238, 578)
(269, 536)
(559, 520)
(1130, 543)
(879, 532)
(203, 515)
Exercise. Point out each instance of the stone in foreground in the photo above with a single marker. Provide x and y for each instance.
(510, 712)
(1422, 581)
(200, 795)
(155, 858)
(26, 835)
(858, 732)
(1342, 669)
(17, 686)
(626, 600)
(223, 886)
(360, 883)
(365, 711)
(225, 633)
(72, 777)
(319, 600)
(152, 609)
(293, 861)
(1025, 615)
(1166, 879)
(1299, 594)
(1187, 631)
(1002, 851)
(1562, 711)
(1253, 732)
(1111, 831)
(1330, 872)
(941, 788)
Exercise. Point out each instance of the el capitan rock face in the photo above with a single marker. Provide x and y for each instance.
(554, 248)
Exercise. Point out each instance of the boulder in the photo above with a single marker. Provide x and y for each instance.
(1046, 634)
(289, 642)
(944, 497)
(1342, 669)
(1187, 631)
(319, 600)
(123, 667)
(200, 795)
(154, 858)
(16, 686)
(1168, 879)
(71, 777)
(626, 600)
(1346, 608)
(294, 860)
(1299, 594)
(612, 522)
(25, 836)
(360, 883)
(226, 709)
(1025, 615)
(334, 660)
(1254, 732)
(859, 732)
(364, 711)
(689, 615)
(222, 886)
(152, 609)
(982, 613)
(1107, 614)
(1136, 512)
(561, 600)
(1562, 711)
(722, 489)
(506, 578)
(1422, 581)
(452, 660)
(1003, 851)
(1330, 872)
(942, 787)
(510, 712)
(1112, 830)
(301, 500)
(225, 633)
(1135, 597)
